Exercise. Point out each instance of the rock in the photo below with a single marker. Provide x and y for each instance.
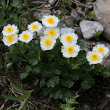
(102, 15)
(66, 30)
(78, 31)
(61, 25)
(89, 27)
(74, 14)
(56, 12)
(52, 2)
(69, 19)
(38, 15)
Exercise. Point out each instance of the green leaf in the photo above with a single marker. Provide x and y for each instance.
(69, 2)
(36, 82)
(17, 3)
(50, 83)
(33, 62)
(2, 22)
(85, 85)
(57, 72)
(28, 68)
(67, 83)
(42, 83)
(23, 105)
(90, 15)
(82, 45)
(14, 97)
(23, 75)
(17, 88)
(106, 73)
(9, 65)
(65, 1)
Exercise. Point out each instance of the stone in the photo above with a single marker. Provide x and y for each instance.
(78, 31)
(74, 14)
(61, 25)
(39, 14)
(66, 30)
(102, 15)
(69, 19)
(89, 27)
(52, 2)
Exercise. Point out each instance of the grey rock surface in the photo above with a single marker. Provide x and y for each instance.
(89, 27)
(61, 25)
(69, 19)
(102, 15)
(66, 30)
(52, 1)
(39, 14)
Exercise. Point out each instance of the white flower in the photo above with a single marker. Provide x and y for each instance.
(47, 43)
(50, 21)
(52, 32)
(35, 26)
(70, 50)
(102, 49)
(26, 36)
(94, 57)
(11, 39)
(10, 30)
(66, 30)
(68, 38)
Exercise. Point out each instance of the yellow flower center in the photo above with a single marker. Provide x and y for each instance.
(25, 36)
(34, 26)
(10, 38)
(47, 42)
(70, 49)
(69, 38)
(94, 57)
(51, 32)
(100, 49)
(9, 29)
(50, 20)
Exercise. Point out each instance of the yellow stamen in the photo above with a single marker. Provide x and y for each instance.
(47, 42)
(100, 49)
(10, 38)
(69, 38)
(51, 32)
(34, 26)
(70, 49)
(94, 57)
(9, 29)
(50, 20)
(25, 36)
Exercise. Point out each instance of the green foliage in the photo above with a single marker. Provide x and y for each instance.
(68, 1)
(15, 12)
(97, 34)
(70, 103)
(56, 75)
(90, 15)
(27, 94)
